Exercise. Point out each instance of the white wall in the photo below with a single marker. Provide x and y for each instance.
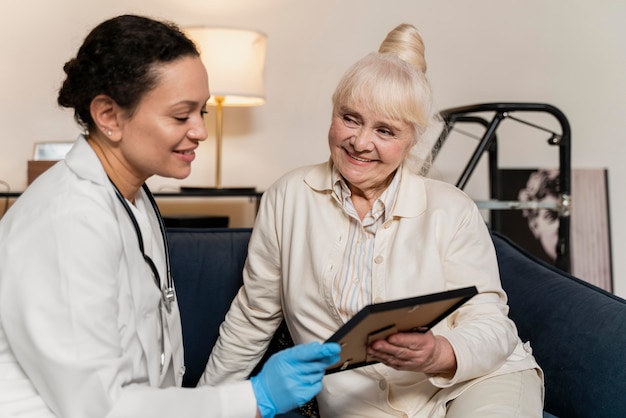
(569, 53)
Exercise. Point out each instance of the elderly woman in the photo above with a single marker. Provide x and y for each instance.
(364, 228)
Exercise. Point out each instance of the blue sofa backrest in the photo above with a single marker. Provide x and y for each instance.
(577, 332)
(207, 267)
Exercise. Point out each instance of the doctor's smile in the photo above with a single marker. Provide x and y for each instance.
(186, 155)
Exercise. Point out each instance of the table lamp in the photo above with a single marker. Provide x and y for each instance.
(235, 60)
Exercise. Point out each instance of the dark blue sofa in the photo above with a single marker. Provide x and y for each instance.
(577, 331)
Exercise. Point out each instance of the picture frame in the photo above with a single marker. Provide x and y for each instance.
(590, 238)
(51, 151)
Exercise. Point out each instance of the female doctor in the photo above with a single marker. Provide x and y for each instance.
(89, 323)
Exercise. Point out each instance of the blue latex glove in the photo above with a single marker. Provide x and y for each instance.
(292, 377)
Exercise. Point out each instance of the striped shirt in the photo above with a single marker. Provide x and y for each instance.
(352, 287)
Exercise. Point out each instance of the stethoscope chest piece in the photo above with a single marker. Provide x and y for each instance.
(168, 298)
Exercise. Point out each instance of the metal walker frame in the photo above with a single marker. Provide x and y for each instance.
(489, 143)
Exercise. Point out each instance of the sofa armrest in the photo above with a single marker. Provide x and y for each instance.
(577, 332)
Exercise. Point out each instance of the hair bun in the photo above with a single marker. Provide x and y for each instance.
(406, 43)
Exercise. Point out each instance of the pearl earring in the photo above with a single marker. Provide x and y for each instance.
(109, 133)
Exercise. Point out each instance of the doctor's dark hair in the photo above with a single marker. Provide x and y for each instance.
(119, 58)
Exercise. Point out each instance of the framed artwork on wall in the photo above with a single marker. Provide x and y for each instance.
(536, 229)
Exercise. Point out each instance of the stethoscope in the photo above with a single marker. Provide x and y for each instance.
(167, 293)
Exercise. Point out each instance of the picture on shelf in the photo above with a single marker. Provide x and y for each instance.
(51, 151)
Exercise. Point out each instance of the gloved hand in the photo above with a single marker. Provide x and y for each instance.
(292, 377)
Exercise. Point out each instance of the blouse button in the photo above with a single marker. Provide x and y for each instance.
(379, 259)
(382, 385)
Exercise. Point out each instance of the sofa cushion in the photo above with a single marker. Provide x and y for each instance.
(207, 266)
(207, 271)
(577, 332)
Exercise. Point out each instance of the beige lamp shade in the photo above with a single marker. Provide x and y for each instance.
(235, 61)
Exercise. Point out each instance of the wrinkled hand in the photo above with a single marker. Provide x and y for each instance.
(416, 352)
(292, 377)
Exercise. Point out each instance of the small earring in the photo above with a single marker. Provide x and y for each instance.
(109, 132)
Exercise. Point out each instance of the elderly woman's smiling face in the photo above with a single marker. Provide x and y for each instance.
(367, 147)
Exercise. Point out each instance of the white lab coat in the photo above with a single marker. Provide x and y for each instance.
(79, 322)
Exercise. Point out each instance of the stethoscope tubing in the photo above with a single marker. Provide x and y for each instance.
(167, 292)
